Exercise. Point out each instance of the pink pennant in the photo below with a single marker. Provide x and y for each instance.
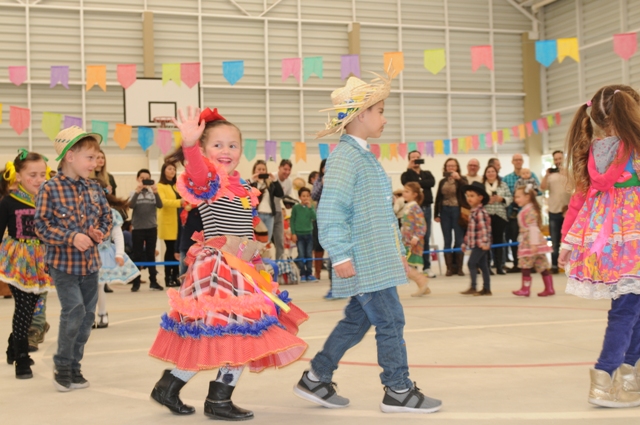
(17, 74)
(126, 75)
(558, 118)
(543, 124)
(454, 146)
(19, 118)
(190, 73)
(402, 149)
(489, 139)
(164, 141)
(500, 137)
(515, 131)
(625, 45)
(421, 147)
(375, 150)
(529, 129)
(475, 142)
(481, 55)
(291, 66)
(332, 146)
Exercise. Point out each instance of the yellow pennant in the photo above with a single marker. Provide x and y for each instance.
(568, 47)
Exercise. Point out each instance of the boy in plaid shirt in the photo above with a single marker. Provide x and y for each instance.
(478, 238)
(72, 217)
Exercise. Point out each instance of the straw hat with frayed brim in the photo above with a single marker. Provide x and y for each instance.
(69, 137)
(353, 99)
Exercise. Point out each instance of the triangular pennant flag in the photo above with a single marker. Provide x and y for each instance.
(529, 126)
(507, 134)
(145, 137)
(17, 74)
(475, 142)
(164, 141)
(522, 132)
(438, 147)
(542, 124)
(412, 147)
(291, 66)
(393, 62)
(375, 150)
(482, 141)
(126, 75)
(285, 150)
(71, 121)
(122, 135)
(434, 60)
(19, 118)
(454, 146)
(233, 71)
(177, 140)
(393, 151)
(500, 137)
(568, 47)
(250, 149)
(558, 118)
(97, 74)
(170, 72)
(550, 121)
(489, 140)
(51, 124)
(332, 146)
(324, 150)
(402, 150)
(625, 45)
(421, 147)
(428, 149)
(446, 147)
(481, 55)
(190, 73)
(385, 151)
(546, 52)
(312, 65)
(270, 148)
(349, 65)
(102, 128)
(516, 132)
(301, 151)
(59, 74)
(495, 138)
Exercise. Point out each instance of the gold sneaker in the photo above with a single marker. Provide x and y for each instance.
(608, 391)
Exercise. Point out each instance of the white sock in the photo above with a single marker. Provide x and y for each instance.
(229, 375)
(312, 376)
(102, 300)
(401, 391)
(183, 375)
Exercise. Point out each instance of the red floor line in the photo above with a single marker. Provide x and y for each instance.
(488, 366)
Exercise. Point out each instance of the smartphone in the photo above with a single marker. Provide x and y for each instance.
(419, 161)
(148, 182)
(264, 176)
(446, 174)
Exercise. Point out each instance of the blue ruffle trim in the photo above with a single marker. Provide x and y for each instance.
(284, 297)
(196, 330)
(214, 186)
(254, 212)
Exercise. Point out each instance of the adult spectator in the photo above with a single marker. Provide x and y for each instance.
(555, 181)
(103, 176)
(512, 211)
(449, 205)
(168, 220)
(499, 198)
(269, 190)
(426, 181)
(473, 168)
(495, 163)
(284, 171)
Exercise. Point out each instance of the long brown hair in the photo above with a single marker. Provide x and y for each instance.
(163, 177)
(415, 188)
(444, 167)
(178, 155)
(18, 163)
(532, 200)
(102, 175)
(615, 110)
(117, 203)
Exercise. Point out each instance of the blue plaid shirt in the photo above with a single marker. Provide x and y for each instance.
(64, 208)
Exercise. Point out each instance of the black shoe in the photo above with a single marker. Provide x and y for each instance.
(77, 380)
(514, 269)
(176, 283)
(554, 270)
(10, 357)
(103, 321)
(107, 289)
(167, 393)
(155, 286)
(136, 285)
(218, 404)
(23, 367)
(62, 379)
(500, 271)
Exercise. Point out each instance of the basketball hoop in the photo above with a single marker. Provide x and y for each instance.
(164, 122)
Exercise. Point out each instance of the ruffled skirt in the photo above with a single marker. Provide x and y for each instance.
(110, 272)
(22, 265)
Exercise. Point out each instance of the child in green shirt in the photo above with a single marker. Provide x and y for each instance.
(302, 217)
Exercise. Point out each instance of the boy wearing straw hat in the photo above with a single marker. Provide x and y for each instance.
(360, 232)
(72, 217)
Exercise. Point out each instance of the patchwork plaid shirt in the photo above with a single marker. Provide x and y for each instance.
(479, 230)
(64, 208)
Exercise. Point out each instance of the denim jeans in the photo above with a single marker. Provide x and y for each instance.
(78, 296)
(267, 219)
(555, 228)
(622, 337)
(383, 310)
(426, 258)
(449, 217)
(305, 250)
(479, 259)
(278, 234)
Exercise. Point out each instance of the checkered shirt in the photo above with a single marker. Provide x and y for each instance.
(479, 230)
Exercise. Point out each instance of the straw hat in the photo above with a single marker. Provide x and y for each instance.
(353, 99)
(69, 137)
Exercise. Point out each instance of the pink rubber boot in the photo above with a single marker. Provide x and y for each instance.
(548, 285)
(525, 291)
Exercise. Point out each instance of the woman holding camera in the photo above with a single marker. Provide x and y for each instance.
(168, 220)
(500, 197)
(269, 189)
(452, 212)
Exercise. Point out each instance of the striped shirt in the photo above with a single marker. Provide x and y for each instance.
(226, 217)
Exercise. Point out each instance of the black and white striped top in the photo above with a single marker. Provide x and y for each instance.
(227, 217)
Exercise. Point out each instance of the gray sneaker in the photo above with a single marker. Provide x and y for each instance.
(321, 393)
(412, 401)
(78, 381)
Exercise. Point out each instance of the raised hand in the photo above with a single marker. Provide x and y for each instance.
(190, 127)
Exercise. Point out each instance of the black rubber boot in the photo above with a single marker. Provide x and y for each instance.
(23, 361)
(218, 404)
(167, 393)
(10, 355)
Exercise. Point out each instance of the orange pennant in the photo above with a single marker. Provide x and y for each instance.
(97, 74)
(522, 131)
(122, 135)
(393, 63)
(393, 150)
(301, 151)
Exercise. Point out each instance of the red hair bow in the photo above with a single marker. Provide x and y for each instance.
(207, 115)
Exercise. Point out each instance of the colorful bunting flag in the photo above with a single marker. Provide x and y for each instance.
(270, 147)
(454, 146)
(385, 152)
(349, 64)
(17, 74)
(482, 141)
(438, 147)
(102, 128)
(301, 151)
(324, 150)
(394, 62)
(51, 124)
(232, 71)
(19, 118)
(481, 55)
(550, 122)
(164, 141)
(558, 118)
(332, 146)
(250, 149)
(428, 149)
(393, 151)
(70, 121)
(546, 51)
(145, 137)
(285, 150)
(375, 150)
(446, 147)
(312, 65)
(501, 137)
(507, 134)
(122, 135)
(177, 139)
(170, 72)
(475, 142)
(534, 126)
(411, 147)
(59, 74)
(489, 140)
(402, 150)
(529, 129)
(190, 73)
(97, 74)
(568, 47)
(291, 66)
(421, 147)
(521, 132)
(126, 75)
(625, 45)
(434, 60)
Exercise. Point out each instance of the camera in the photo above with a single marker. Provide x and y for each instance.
(418, 161)
(264, 175)
(148, 182)
(446, 174)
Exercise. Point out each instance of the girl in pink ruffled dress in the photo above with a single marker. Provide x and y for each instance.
(601, 234)
(227, 314)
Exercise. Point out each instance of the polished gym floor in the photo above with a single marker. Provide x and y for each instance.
(494, 360)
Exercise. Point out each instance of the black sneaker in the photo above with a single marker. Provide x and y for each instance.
(154, 286)
(62, 379)
(107, 289)
(321, 393)
(412, 401)
(77, 380)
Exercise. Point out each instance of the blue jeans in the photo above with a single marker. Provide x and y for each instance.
(449, 217)
(383, 310)
(479, 258)
(305, 251)
(267, 219)
(78, 296)
(426, 258)
(555, 228)
(622, 337)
